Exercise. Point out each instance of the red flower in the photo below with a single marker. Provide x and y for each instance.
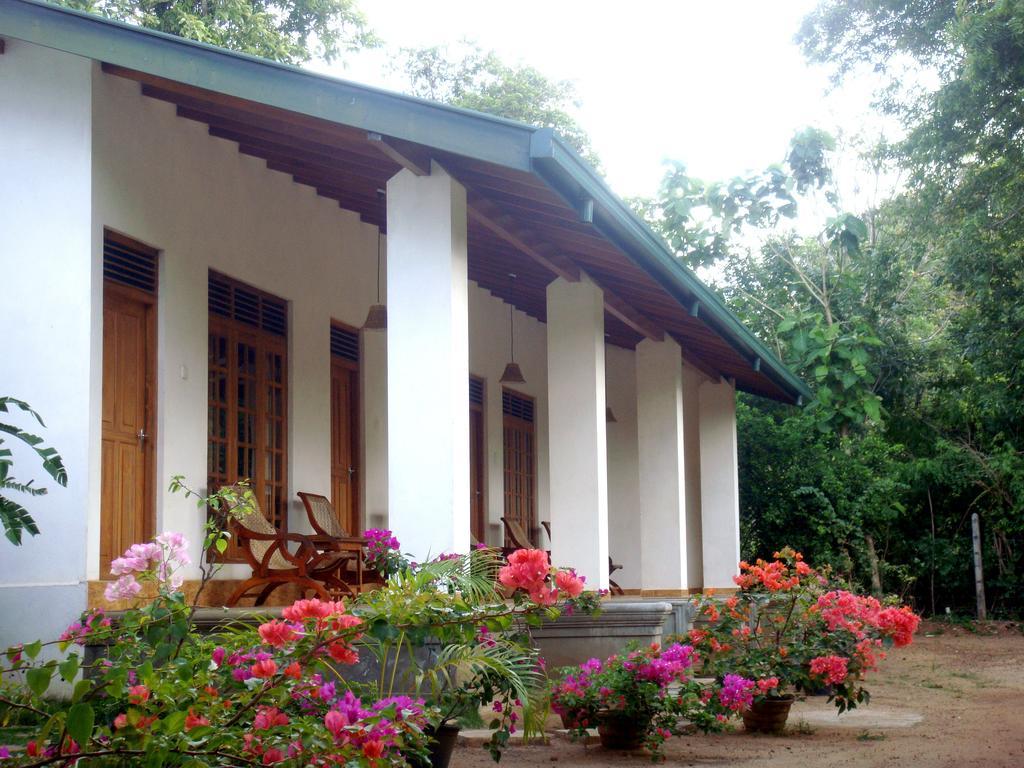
(277, 633)
(265, 668)
(900, 624)
(527, 569)
(273, 755)
(342, 653)
(268, 717)
(373, 748)
(831, 668)
(293, 670)
(192, 720)
(569, 582)
(138, 694)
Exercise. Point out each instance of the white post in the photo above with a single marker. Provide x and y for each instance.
(692, 379)
(577, 448)
(719, 485)
(659, 392)
(374, 373)
(50, 262)
(428, 364)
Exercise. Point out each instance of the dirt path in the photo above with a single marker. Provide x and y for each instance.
(953, 698)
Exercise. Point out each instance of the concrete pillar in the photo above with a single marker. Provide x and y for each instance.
(428, 364)
(719, 484)
(577, 448)
(374, 387)
(692, 379)
(659, 390)
(50, 259)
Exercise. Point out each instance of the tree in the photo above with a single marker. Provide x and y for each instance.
(13, 515)
(472, 78)
(290, 31)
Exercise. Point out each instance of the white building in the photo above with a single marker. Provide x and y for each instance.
(190, 241)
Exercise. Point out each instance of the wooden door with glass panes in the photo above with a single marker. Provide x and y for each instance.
(248, 396)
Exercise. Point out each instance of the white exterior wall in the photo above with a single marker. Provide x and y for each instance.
(165, 181)
(623, 464)
(48, 308)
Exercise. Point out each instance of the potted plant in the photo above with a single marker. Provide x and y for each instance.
(640, 697)
(787, 629)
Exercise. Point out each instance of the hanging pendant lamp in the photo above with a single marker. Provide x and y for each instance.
(377, 317)
(512, 373)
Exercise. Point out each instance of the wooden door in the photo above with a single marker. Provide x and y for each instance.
(129, 344)
(520, 461)
(476, 473)
(345, 444)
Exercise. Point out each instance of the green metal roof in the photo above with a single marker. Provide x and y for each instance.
(463, 132)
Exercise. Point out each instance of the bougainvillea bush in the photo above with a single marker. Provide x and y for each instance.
(789, 627)
(277, 692)
(650, 687)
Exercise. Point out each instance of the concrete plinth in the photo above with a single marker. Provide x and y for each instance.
(571, 640)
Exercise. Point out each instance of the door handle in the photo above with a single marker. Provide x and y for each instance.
(351, 471)
(142, 437)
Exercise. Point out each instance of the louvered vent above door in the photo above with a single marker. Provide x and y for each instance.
(476, 391)
(129, 262)
(250, 306)
(519, 406)
(345, 343)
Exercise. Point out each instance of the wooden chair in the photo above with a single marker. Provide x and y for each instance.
(322, 517)
(612, 565)
(517, 535)
(266, 549)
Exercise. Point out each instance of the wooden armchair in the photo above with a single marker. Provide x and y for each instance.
(325, 522)
(274, 563)
(517, 536)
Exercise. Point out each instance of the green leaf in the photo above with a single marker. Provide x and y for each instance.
(81, 718)
(32, 649)
(38, 679)
(81, 688)
(69, 668)
(174, 722)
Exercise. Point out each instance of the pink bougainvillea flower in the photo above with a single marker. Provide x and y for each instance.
(342, 653)
(273, 756)
(570, 583)
(192, 720)
(832, 669)
(277, 633)
(373, 749)
(737, 692)
(125, 588)
(121, 721)
(138, 694)
(265, 668)
(899, 623)
(527, 569)
(268, 717)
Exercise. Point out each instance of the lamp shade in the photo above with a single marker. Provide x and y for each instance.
(512, 374)
(377, 317)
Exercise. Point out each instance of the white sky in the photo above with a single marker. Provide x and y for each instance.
(716, 84)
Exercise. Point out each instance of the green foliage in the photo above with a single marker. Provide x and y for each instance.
(13, 515)
(472, 78)
(290, 31)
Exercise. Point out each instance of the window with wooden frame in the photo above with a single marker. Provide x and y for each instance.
(520, 460)
(345, 427)
(248, 395)
(477, 496)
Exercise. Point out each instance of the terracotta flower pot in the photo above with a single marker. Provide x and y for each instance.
(768, 715)
(619, 731)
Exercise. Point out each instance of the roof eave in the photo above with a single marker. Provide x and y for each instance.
(575, 181)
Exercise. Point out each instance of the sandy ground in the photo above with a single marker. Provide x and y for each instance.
(953, 698)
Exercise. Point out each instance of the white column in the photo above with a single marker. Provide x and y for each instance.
(577, 448)
(692, 379)
(428, 364)
(52, 310)
(659, 390)
(719, 484)
(374, 372)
